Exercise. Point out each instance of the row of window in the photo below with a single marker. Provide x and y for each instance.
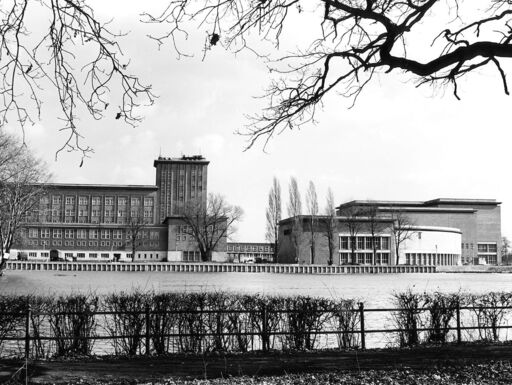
(134, 213)
(431, 259)
(364, 243)
(249, 248)
(58, 242)
(191, 256)
(96, 200)
(487, 248)
(46, 254)
(34, 232)
(365, 258)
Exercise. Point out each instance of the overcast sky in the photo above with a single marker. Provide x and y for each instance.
(397, 143)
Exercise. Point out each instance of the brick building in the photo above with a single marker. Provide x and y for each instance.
(442, 232)
(95, 222)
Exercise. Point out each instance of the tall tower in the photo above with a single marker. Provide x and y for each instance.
(179, 181)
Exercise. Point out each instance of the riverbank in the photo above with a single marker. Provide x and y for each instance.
(206, 267)
(450, 364)
(474, 269)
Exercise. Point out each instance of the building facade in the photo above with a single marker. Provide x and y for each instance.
(438, 232)
(104, 222)
(249, 252)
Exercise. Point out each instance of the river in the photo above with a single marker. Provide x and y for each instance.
(374, 290)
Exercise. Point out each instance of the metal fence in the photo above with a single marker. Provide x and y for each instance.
(39, 335)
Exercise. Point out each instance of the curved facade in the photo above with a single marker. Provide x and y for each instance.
(432, 245)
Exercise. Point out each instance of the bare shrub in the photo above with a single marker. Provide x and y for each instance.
(441, 310)
(346, 322)
(407, 317)
(490, 312)
(73, 323)
(127, 324)
(305, 317)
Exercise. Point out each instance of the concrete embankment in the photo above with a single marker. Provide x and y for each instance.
(215, 268)
(474, 269)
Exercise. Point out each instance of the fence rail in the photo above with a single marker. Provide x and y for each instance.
(149, 331)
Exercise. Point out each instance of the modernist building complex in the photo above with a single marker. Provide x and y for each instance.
(434, 232)
(96, 222)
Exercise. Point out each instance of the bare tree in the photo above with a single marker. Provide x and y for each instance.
(312, 207)
(76, 57)
(353, 41)
(211, 223)
(273, 216)
(375, 226)
(295, 211)
(505, 249)
(351, 217)
(330, 225)
(402, 230)
(23, 180)
(136, 225)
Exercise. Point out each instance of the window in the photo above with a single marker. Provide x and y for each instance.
(81, 234)
(95, 213)
(32, 254)
(134, 213)
(360, 243)
(44, 200)
(68, 255)
(104, 255)
(148, 202)
(385, 243)
(83, 201)
(482, 248)
(45, 254)
(56, 200)
(93, 234)
(108, 213)
(117, 234)
(69, 233)
(32, 233)
(70, 212)
(93, 255)
(368, 241)
(154, 235)
(105, 234)
(122, 201)
(109, 201)
(148, 213)
(135, 201)
(121, 213)
(57, 233)
(344, 243)
(45, 233)
(70, 200)
(96, 201)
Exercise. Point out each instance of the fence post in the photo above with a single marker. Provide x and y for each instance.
(361, 321)
(459, 338)
(264, 336)
(27, 332)
(148, 319)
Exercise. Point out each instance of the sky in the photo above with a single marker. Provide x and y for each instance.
(398, 142)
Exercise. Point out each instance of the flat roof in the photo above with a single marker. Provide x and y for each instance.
(429, 203)
(194, 159)
(102, 186)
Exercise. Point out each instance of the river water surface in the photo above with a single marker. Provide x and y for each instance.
(374, 290)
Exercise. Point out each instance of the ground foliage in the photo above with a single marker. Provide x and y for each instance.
(491, 373)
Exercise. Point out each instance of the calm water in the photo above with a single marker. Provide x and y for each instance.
(375, 290)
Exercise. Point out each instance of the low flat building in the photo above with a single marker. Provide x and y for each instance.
(249, 252)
